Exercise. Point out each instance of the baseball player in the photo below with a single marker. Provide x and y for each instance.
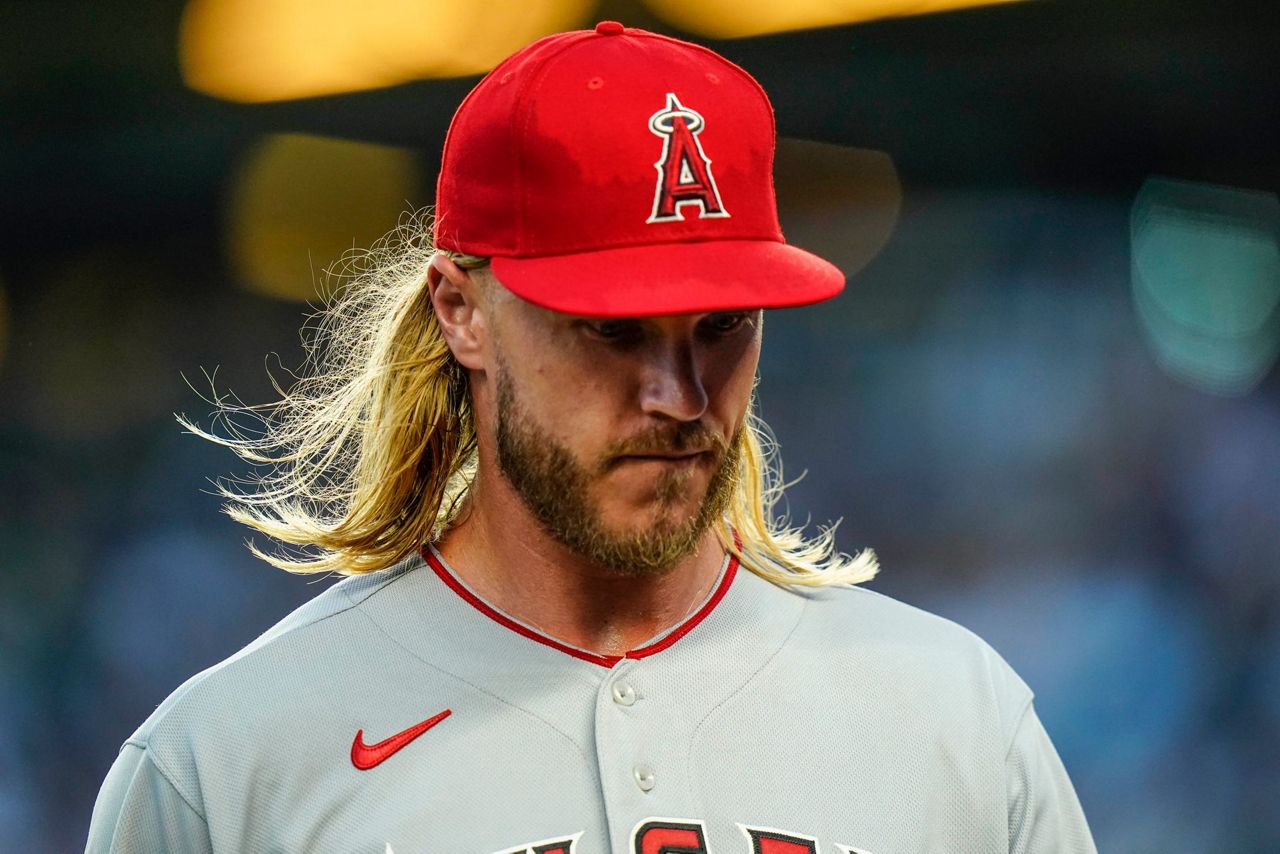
(572, 624)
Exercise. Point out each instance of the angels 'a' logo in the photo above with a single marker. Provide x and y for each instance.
(684, 170)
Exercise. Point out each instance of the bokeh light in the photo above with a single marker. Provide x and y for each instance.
(299, 203)
(727, 19)
(838, 201)
(1206, 281)
(270, 50)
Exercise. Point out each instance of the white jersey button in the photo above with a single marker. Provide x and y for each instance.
(624, 694)
(644, 777)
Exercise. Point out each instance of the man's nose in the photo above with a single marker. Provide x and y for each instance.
(673, 385)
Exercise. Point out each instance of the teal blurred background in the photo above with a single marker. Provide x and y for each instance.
(1048, 399)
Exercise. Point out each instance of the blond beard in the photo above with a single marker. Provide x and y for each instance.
(556, 488)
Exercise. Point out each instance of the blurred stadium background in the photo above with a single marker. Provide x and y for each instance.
(1048, 399)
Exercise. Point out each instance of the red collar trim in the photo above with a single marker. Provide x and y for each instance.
(456, 585)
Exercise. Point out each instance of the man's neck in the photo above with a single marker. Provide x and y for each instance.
(506, 557)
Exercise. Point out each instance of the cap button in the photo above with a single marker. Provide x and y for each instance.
(609, 28)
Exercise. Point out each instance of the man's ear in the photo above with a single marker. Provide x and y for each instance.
(455, 296)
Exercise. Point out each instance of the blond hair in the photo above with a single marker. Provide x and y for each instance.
(370, 453)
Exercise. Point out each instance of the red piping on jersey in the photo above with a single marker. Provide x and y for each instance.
(595, 658)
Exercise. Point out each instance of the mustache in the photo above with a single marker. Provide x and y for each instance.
(684, 437)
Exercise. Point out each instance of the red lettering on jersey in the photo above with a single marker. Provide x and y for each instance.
(686, 836)
(564, 845)
(769, 841)
(668, 836)
(684, 170)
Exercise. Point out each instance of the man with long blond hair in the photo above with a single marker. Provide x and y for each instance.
(573, 623)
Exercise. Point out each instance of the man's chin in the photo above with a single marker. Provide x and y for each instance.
(648, 542)
(648, 523)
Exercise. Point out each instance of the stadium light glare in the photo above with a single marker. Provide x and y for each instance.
(1205, 278)
(273, 50)
(728, 19)
(838, 201)
(299, 203)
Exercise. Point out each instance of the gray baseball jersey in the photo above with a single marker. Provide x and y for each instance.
(399, 712)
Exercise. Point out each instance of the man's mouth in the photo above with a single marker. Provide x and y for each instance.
(673, 457)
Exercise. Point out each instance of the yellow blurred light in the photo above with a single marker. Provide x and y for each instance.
(271, 50)
(299, 203)
(729, 19)
(840, 202)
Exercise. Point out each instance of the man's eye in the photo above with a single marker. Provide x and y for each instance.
(724, 323)
(614, 330)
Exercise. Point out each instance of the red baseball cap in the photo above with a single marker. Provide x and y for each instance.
(615, 172)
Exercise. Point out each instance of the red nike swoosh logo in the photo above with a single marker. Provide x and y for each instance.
(365, 756)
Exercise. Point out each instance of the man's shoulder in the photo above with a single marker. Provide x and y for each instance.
(863, 614)
(302, 647)
(887, 642)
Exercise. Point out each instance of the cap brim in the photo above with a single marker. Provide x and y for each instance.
(672, 278)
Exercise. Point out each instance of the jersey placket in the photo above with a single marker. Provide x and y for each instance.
(641, 750)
